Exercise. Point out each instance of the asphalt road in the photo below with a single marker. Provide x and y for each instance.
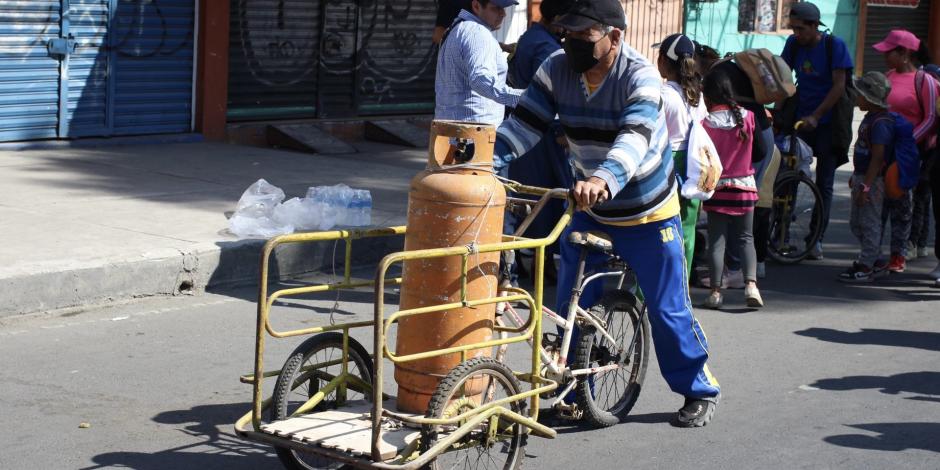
(826, 376)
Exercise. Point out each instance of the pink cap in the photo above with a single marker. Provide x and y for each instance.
(898, 38)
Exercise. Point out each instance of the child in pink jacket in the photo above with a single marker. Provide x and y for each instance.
(731, 128)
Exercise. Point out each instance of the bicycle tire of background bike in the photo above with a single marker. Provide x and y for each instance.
(592, 350)
(805, 189)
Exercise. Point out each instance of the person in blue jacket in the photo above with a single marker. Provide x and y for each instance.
(546, 165)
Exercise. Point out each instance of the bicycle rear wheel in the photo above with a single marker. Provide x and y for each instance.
(796, 221)
(607, 397)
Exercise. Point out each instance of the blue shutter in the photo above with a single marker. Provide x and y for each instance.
(152, 53)
(88, 69)
(29, 77)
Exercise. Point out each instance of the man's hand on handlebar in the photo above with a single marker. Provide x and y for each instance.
(589, 193)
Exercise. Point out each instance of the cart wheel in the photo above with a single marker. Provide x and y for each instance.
(501, 449)
(310, 367)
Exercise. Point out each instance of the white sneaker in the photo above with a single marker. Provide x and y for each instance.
(753, 297)
(935, 274)
(761, 270)
(733, 280)
(911, 251)
(922, 252)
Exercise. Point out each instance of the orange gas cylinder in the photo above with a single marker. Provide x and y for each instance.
(448, 206)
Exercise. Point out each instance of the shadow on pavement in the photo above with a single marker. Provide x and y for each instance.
(926, 384)
(218, 448)
(892, 437)
(909, 339)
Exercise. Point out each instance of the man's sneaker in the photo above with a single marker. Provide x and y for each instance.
(935, 274)
(752, 296)
(696, 412)
(761, 270)
(911, 250)
(857, 273)
(815, 253)
(897, 264)
(922, 252)
(714, 300)
(733, 280)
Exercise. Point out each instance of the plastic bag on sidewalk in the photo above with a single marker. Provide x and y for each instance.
(255, 210)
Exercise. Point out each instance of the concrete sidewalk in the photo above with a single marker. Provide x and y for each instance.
(84, 226)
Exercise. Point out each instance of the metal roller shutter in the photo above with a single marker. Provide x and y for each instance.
(319, 58)
(29, 77)
(88, 69)
(397, 58)
(273, 57)
(881, 20)
(153, 66)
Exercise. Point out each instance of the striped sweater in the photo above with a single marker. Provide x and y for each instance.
(617, 133)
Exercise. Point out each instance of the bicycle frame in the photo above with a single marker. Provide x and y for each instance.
(557, 366)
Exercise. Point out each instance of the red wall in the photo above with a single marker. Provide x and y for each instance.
(212, 69)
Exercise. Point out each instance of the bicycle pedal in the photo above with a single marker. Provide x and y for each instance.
(569, 412)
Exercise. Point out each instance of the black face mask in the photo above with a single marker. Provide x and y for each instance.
(580, 54)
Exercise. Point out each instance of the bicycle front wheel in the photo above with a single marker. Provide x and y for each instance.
(606, 397)
(796, 221)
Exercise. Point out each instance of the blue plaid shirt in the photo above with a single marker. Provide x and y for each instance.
(471, 75)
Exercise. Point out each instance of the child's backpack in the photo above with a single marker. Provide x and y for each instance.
(770, 75)
(905, 161)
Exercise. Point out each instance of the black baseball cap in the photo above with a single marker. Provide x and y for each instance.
(586, 13)
(805, 11)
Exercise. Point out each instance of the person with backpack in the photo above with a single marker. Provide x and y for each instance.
(823, 67)
(743, 91)
(731, 208)
(913, 95)
(885, 146)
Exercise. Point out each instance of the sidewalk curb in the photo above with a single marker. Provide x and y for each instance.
(221, 265)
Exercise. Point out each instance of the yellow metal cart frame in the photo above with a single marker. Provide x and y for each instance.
(249, 426)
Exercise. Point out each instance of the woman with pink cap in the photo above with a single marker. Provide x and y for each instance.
(913, 95)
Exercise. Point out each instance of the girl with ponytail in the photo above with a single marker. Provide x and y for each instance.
(731, 209)
(682, 104)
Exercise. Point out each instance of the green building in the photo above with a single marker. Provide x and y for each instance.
(734, 25)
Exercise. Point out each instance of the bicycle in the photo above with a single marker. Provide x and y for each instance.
(612, 350)
(797, 211)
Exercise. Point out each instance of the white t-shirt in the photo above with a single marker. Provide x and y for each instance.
(679, 115)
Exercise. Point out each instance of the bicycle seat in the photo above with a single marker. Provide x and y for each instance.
(599, 241)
